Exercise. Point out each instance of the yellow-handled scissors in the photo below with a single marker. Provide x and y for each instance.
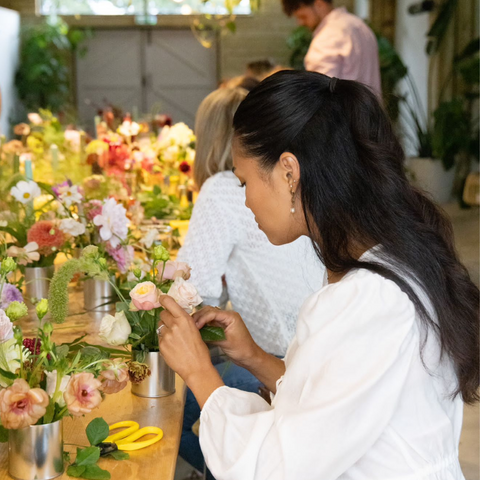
(126, 439)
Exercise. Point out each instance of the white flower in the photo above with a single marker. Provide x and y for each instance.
(179, 135)
(6, 327)
(52, 385)
(190, 158)
(25, 255)
(113, 222)
(10, 354)
(129, 129)
(35, 118)
(72, 227)
(69, 195)
(115, 330)
(150, 237)
(185, 294)
(24, 191)
(73, 138)
(170, 154)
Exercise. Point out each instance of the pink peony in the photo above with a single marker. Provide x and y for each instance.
(174, 270)
(82, 394)
(47, 236)
(21, 406)
(115, 377)
(122, 255)
(145, 296)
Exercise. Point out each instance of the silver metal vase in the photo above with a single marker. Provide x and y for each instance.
(98, 295)
(37, 281)
(36, 452)
(160, 383)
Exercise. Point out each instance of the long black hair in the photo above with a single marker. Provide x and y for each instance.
(353, 187)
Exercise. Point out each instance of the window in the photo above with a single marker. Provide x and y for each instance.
(141, 7)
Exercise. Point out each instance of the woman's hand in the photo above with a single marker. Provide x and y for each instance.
(239, 344)
(185, 352)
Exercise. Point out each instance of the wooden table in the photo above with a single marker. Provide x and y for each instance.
(156, 462)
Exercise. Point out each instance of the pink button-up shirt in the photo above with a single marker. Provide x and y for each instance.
(343, 46)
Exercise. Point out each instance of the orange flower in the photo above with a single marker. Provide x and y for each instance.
(21, 129)
(48, 237)
(21, 406)
(114, 378)
(82, 394)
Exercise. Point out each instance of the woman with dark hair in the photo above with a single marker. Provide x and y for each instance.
(373, 384)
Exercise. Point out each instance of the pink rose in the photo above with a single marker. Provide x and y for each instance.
(145, 296)
(21, 406)
(82, 394)
(185, 294)
(174, 270)
(115, 377)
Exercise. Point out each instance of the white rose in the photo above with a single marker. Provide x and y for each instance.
(52, 385)
(170, 155)
(6, 327)
(10, 358)
(115, 330)
(185, 294)
(150, 237)
(35, 118)
(181, 134)
(72, 227)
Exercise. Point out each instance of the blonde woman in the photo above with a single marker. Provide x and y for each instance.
(232, 259)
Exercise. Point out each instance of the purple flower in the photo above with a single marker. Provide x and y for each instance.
(10, 294)
(122, 255)
(56, 188)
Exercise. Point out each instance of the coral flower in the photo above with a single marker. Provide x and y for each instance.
(47, 235)
(21, 406)
(82, 394)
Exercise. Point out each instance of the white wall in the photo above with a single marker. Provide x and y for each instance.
(410, 41)
(9, 45)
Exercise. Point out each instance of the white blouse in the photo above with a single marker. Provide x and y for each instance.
(266, 284)
(355, 403)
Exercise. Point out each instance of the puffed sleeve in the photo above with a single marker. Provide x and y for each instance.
(210, 240)
(345, 371)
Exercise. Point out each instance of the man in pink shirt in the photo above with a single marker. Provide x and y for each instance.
(343, 46)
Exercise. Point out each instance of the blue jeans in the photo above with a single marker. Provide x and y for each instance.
(233, 376)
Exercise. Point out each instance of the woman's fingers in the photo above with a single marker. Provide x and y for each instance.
(211, 314)
(170, 305)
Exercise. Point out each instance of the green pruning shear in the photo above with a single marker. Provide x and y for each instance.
(126, 440)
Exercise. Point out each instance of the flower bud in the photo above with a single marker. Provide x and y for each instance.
(161, 254)
(8, 265)
(16, 310)
(102, 261)
(42, 308)
(48, 328)
(138, 273)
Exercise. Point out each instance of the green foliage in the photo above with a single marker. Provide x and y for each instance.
(439, 28)
(97, 431)
(58, 294)
(43, 78)
(87, 456)
(212, 334)
(3, 434)
(299, 41)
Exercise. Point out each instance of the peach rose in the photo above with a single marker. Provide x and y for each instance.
(21, 406)
(115, 377)
(175, 269)
(185, 294)
(82, 394)
(145, 296)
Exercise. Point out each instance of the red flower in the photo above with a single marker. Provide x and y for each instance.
(48, 237)
(185, 167)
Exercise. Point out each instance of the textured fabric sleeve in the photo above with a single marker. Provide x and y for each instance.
(327, 52)
(354, 345)
(209, 241)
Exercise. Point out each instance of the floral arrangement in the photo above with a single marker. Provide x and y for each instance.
(137, 312)
(56, 150)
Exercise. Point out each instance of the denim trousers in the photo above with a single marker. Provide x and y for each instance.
(233, 376)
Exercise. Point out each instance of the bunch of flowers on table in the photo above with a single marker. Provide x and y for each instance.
(42, 382)
(55, 149)
(134, 323)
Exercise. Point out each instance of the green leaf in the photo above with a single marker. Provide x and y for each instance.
(48, 417)
(87, 456)
(119, 455)
(97, 431)
(212, 334)
(75, 470)
(6, 374)
(3, 434)
(94, 472)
